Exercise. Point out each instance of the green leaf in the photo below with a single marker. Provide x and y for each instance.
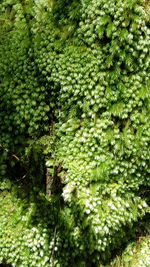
(100, 31)
(109, 29)
(105, 19)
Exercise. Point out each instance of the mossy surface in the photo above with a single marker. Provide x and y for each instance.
(75, 130)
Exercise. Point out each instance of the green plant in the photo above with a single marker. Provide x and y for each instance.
(75, 97)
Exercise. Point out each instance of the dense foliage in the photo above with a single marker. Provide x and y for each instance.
(54, 235)
(74, 107)
(133, 254)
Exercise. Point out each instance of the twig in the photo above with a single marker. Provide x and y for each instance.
(8, 151)
(23, 177)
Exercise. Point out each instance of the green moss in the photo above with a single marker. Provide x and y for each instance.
(74, 94)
